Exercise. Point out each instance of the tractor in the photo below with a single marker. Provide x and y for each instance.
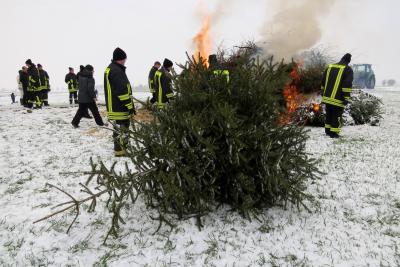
(364, 76)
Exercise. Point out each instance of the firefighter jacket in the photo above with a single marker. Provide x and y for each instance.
(163, 85)
(33, 79)
(43, 80)
(72, 82)
(337, 84)
(224, 73)
(118, 92)
(152, 75)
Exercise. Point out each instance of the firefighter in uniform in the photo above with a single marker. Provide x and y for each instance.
(44, 85)
(152, 75)
(71, 80)
(118, 92)
(216, 68)
(33, 84)
(163, 84)
(337, 84)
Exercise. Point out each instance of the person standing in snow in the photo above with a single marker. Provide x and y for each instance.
(163, 84)
(45, 85)
(13, 98)
(72, 82)
(81, 68)
(119, 104)
(337, 84)
(87, 97)
(33, 85)
(152, 75)
(24, 81)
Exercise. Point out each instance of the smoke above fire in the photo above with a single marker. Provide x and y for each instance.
(295, 27)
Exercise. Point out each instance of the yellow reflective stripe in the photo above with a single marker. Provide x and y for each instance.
(129, 106)
(129, 88)
(118, 115)
(158, 76)
(328, 126)
(124, 97)
(109, 95)
(327, 77)
(347, 90)
(337, 83)
(331, 101)
(336, 130)
(170, 95)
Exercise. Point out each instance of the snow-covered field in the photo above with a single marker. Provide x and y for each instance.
(356, 221)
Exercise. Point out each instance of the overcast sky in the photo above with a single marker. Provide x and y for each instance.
(59, 34)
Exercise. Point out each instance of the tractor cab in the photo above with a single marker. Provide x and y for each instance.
(364, 76)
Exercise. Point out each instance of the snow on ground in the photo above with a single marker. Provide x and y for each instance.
(354, 223)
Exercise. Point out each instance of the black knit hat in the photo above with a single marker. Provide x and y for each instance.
(28, 62)
(71, 68)
(346, 58)
(81, 67)
(89, 67)
(213, 60)
(157, 63)
(119, 54)
(39, 65)
(167, 63)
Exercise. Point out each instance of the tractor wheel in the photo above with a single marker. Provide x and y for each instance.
(371, 83)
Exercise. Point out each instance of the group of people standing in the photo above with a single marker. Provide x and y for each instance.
(118, 95)
(34, 85)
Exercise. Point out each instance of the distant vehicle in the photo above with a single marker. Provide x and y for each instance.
(364, 76)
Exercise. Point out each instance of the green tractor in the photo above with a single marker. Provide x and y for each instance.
(364, 76)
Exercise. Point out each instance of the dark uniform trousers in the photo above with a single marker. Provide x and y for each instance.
(83, 111)
(120, 135)
(334, 120)
(73, 96)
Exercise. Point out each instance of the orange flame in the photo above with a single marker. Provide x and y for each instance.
(203, 41)
(292, 95)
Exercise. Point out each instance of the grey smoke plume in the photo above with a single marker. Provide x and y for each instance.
(295, 27)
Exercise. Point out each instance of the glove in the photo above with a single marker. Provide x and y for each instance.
(132, 111)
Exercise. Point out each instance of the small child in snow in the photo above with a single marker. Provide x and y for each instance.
(13, 98)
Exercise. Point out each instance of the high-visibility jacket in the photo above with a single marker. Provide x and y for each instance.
(163, 85)
(72, 82)
(337, 84)
(224, 73)
(44, 80)
(152, 75)
(33, 79)
(118, 92)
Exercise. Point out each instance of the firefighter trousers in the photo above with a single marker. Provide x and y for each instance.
(120, 136)
(334, 120)
(73, 96)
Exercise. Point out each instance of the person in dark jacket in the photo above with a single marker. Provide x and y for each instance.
(152, 75)
(33, 85)
(87, 97)
(44, 85)
(163, 84)
(118, 92)
(337, 84)
(81, 68)
(72, 82)
(216, 68)
(24, 80)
